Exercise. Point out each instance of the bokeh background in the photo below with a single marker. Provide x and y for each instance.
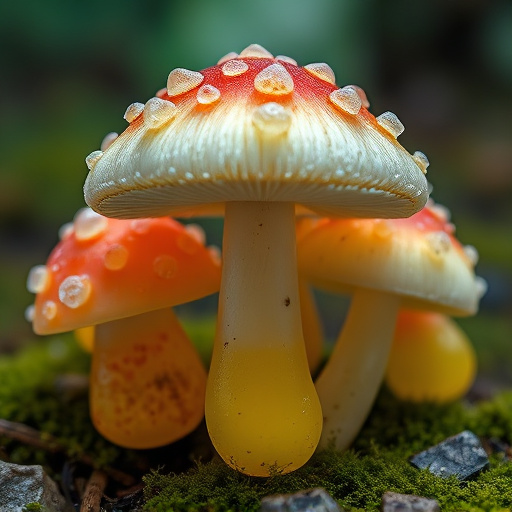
(68, 70)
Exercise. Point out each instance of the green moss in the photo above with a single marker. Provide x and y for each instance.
(33, 507)
(377, 463)
(29, 395)
(358, 478)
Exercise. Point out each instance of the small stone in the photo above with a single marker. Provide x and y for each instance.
(462, 455)
(20, 485)
(394, 502)
(312, 500)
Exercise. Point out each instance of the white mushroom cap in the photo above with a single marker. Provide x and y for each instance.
(255, 128)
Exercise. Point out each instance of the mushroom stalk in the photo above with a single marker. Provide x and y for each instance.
(147, 381)
(348, 384)
(262, 410)
(311, 326)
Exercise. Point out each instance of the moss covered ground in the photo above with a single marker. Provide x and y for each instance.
(184, 477)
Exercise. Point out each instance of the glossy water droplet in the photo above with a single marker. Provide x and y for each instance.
(471, 254)
(30, 313)
(256, 51)
(347, 99)
(274, 80)
(116, 257)
(214, 254)
(288, 60)
(440, 211)
(187, 243)
(382, 228)
(133, 111)
(234, 68)
(207, 94)
(182, 80)
(140, 226)
(89, 225)
(66, 230)
(196, 232)
(391, 123)
(421, 160)
(49, 310)
(92, 159)
(38, 279)
(481, 286)
(272, 118)
(161, 92)
(439, 242)
(75, 291)
(157, 112)
(228, 56)
(165, 266)
(107, 140)
(362, 95)
(321, 70)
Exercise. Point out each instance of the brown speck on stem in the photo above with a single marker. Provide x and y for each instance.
(286, 301)
(226, 343)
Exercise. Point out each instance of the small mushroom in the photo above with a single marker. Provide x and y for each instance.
(431, 358)
(384, 265)
(311, 324)
(258, 134)
(147, 382)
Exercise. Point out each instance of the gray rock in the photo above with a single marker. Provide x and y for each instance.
(312, 500)
(394, 502)
(462, 455)
(21, 485)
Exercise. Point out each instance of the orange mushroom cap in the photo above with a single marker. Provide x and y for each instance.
(417, 258)
(106, 269)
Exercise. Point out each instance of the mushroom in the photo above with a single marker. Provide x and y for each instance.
(85, 338)
(311, 325)
(258, 134)
(385, 265)
(431, 358)
(147, 382)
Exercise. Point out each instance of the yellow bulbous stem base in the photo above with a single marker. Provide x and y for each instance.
(431, 359)
(147, 381)
(262, 410)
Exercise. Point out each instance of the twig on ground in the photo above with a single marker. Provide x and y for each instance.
(94, 491)
(44, 441)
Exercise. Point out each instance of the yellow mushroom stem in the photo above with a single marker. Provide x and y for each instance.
(431, 358)
(147, 382)
(311, 326)
(85, 338)
(262, 410)
(349, 382)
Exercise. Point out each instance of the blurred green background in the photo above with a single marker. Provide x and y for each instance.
(68, 70)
